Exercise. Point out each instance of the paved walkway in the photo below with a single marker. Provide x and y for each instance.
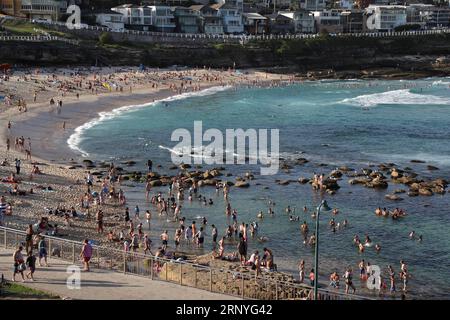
(104, 284)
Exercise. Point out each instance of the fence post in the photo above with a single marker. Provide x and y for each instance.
(210, 280)
(98, 258)
(181, 274)
(167, 267)
(124, 262)
(73, 252)
(195, 277)
(243, 286)
(5, 238)
(49, 246)
(276, 290)
(151, 267)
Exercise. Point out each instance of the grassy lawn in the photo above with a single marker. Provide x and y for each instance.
(17, 291)
(27, 28)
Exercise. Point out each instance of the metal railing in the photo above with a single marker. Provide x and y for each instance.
(37, 39)
(218, 280)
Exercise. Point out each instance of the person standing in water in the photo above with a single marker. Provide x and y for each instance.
(301, 271)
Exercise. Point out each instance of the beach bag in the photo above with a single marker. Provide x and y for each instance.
(22, 267)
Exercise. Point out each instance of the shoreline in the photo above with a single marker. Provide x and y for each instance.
(49, 143)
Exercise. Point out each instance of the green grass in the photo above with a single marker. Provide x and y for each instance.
(24, 28)
(14, 290)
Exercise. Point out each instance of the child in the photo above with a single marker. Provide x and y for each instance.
(31, 263)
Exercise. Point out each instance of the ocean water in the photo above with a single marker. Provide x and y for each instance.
(331, 123)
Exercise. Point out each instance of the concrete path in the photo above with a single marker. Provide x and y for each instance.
(104, 284)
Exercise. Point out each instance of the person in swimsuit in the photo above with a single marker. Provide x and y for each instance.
(348, 276)
(29, 238)
(164, 239)
(301, 271)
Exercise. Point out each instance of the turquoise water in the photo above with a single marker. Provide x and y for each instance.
(331, 123)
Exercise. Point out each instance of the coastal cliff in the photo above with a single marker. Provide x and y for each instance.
(318, 57)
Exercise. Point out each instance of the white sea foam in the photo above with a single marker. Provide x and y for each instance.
(77, 137)
(403, 96)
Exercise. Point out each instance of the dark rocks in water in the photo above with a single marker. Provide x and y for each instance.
(153, 175)
(323, 165)
(242, 184)
(417, 161)
(285, 166)
(377, 183)
(207, 182)
(125, 178)
(173, 168)
(413, 193)
(87, 161)
(129, 163)
(249, 176)
(301, 161)
(407, 169)
(425, 192)
(283, 182)
(198, 166)
(303, 180)
(396, 191)
(228, 174)
(393, 197)
(395, 173)
(266, 188)
(336, 174)
(156, 183)
(432, 168)
(331, 184)
(367, 171)
(331, 192)
(185, 166)
(377, 175)
(228, 183)
(345, 169)
(159, 166)
(360, 180)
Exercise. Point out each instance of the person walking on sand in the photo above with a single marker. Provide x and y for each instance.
(86, 254)
(17, 163)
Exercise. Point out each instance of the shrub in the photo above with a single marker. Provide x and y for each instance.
(105, 38)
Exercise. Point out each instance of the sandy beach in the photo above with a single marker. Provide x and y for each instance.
(61, 183)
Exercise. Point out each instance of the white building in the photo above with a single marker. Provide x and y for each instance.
(147, 18)
(231, 13)
(113, 20)
(328, 21)
(385, 18)
(50, 10)
(303, 20)
(312, 5)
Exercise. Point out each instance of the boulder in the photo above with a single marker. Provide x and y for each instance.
(283, 182)
(303, 180)
(242, 184)
(377, 184)
(425, 192)
(336, 174)
(185, 166)
(156, 183)
(417, 161)
(432, 168)
(413, 193)
(393, 197)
